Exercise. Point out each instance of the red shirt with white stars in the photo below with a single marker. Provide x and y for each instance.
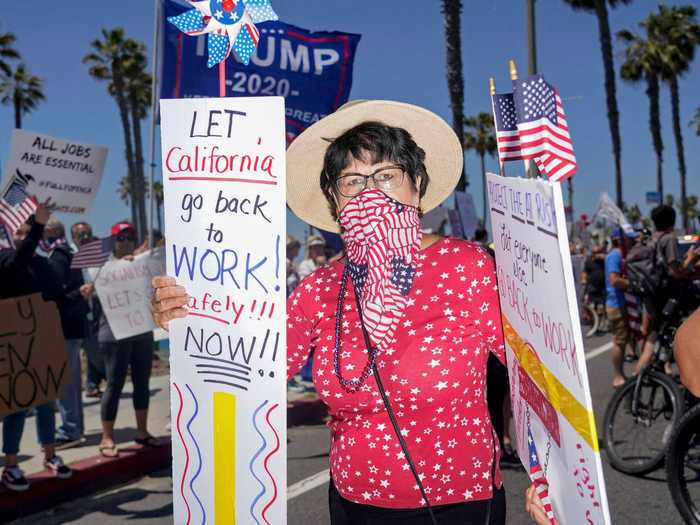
(434, 374)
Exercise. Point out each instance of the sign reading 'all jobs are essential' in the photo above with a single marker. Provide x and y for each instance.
(550, 394)
(68, 172)
(224, 182)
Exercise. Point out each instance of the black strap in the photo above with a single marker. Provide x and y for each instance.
(392, 417)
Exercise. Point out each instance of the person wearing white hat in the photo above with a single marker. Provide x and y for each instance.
(315, 256)
(401, 326)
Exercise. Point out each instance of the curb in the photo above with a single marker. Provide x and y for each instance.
(306, 412)
(89, 475)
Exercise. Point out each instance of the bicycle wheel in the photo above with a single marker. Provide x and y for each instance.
(683, 466)
(589, 320)
(639, 420)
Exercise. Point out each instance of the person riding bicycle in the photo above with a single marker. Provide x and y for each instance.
(677, 273)
(593, 278)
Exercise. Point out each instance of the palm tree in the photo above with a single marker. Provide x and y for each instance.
(124, 190)
(600, 9)
(691, 208)
(106, 62)
(7, 52)
(696, 122)
(21, 90)
(642, 63)
(676, 33)
(158, 197)
(138, 83)
(452, 12)
(480, 136)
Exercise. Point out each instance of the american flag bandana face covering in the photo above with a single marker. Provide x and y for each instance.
(382, 239)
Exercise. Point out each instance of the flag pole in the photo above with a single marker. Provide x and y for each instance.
(529, 166)
(492, 92)
(154, 103)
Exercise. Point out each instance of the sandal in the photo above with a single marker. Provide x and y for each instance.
(109, 451)
(149, 442)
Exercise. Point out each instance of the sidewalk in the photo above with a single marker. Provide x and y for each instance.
(92, 472)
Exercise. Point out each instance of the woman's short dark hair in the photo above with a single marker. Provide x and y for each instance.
(372, 142)
(663, 217)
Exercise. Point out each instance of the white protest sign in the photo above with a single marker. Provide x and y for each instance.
(124, 289)
(69, 172)
(550, 392)
(225, 220)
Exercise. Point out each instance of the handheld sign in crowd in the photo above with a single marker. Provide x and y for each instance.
(33, 359)
(124, 289)
(225, 214)
(311, 70)
(67, 171)
(550, 394)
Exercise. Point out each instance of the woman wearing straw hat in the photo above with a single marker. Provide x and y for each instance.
(401, 327)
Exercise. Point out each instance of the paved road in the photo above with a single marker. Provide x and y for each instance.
(147, 501)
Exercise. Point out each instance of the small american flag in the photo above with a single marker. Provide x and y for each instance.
(93, 254)
(5, 239)
(16, 206)
(542, 127)
(506, 127)
(538, 478)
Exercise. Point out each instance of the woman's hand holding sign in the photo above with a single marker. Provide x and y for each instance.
(169, 300)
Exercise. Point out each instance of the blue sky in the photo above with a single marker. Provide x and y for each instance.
(401, 56)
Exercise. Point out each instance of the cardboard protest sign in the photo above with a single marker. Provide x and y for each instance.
(224, 182)
(552, 408)
(311, 70)
(33, 358)
(124, 289)
(69, 172)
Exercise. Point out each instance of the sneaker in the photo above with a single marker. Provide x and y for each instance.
(13, 478)
(55, 464)
(63, 443)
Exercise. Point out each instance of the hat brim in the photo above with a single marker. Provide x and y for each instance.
(444, 156)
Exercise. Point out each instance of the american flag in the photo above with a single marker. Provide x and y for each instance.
(506, 127)
(5, 239)
(93, 254)
(542, 127)
(538, 478)
(16, 206)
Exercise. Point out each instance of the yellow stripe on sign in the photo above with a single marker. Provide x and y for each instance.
(224, 458)
(563, 401)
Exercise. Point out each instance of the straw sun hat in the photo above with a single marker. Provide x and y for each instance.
(443, 155)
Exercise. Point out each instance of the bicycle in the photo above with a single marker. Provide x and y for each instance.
(683, 466)
(593, 319)
(646, 409)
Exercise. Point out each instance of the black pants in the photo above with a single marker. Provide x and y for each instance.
(95, 361)
(136, 352)
(344, 512)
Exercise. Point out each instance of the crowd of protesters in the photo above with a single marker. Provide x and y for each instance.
(631, 279)
(40, 262)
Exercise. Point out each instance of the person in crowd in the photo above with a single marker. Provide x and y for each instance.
(679, 271)
(81, 234)
(593, 278)
(133, 353)
(293, 247)
(424, 364)
(73, 309)
(615, 304)
(22, 273)
(481, 236)
(686, 350)
(315, 256)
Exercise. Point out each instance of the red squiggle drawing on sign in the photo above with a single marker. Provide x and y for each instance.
(267, 458)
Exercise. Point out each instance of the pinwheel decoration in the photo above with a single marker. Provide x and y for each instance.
(230, 24)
